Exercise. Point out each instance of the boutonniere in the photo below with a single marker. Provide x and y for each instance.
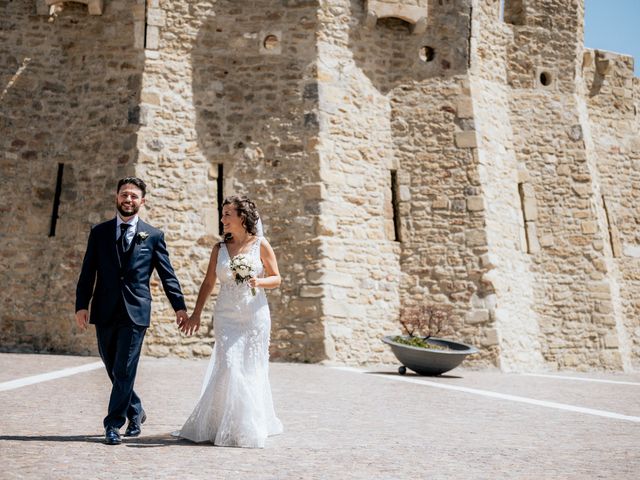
(142, 236)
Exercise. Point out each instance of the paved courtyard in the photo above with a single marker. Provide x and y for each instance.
(339, 424)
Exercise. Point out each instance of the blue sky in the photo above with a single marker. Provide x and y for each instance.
(614, 25)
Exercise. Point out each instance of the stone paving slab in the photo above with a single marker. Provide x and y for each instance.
(338, 424)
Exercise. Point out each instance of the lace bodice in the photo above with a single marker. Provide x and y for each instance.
(226, 276)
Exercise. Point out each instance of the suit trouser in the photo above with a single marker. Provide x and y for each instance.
(120, 343)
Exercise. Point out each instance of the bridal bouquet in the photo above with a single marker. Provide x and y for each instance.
(243, 270)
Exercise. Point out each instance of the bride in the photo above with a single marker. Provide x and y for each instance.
(235, 407)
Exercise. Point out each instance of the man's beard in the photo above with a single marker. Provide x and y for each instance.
(124, 213)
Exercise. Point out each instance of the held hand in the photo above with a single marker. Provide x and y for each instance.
(181, 317)
(254, 282)
(82, 319)
(192, 325)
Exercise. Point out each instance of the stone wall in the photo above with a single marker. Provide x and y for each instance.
(234, 84)
(608, 93)
(401, 152)
(510, 310)
(573, 294)
(70, 84)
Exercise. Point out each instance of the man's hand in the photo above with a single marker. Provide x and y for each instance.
(192, 325)
(181, 318)
(82, 319)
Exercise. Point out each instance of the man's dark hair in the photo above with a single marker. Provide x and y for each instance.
(133, 181)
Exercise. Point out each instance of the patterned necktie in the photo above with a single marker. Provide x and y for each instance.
(123, 244)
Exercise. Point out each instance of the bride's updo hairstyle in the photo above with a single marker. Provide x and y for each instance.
(246, 210)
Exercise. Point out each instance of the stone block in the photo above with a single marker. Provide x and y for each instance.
(475, 317)
(156, 17)
(616, 245)
(582, 190)
(490, 338)
(311, 291)
(475, 237)
(464, 108)
(530, 208)
(546, 240)
(475, 203)
(151, 98)
(153, 38)
(211, 221)
(611, 341)
(326, 225)
(343, 309)
(528, 191)
(440, 203)
(314, 191)
(523, 176)
(138, 35)
(138, 12)
(631, 250)
(532, 237)
(466, 139)
(599, 287)
(590, 227)
(405, 193)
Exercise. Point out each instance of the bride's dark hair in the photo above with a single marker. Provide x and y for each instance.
(246, 210)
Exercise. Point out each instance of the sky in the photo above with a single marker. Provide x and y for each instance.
(614, 25)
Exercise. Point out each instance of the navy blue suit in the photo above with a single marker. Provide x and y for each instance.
(117, 285)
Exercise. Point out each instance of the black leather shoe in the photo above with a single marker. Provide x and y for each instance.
(133, 429)
(112, 436)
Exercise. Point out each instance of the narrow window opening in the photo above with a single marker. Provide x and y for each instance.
(501, 13)
(524, 217)
(395, 206)
(220, 192)
(146, 7)
(56, 201)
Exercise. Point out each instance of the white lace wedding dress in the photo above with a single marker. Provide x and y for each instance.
(235, 407)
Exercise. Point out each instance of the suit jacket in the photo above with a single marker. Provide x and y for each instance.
(101, 269)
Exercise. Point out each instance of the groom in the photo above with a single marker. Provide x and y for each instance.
(121, 254)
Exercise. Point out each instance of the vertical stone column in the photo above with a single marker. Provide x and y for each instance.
(510, 204)
(607, 112)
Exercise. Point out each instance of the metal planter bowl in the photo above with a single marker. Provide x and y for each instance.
(424, 361)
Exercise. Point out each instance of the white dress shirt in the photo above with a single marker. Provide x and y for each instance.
(131, 231)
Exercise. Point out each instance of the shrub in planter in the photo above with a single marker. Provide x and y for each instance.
(419, 349)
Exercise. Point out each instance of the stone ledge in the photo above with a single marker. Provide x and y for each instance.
(95, 7)
(416, 16)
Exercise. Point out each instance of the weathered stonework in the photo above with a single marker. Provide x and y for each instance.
(400, 152)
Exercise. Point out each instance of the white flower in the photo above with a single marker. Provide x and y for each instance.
(243, 269)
